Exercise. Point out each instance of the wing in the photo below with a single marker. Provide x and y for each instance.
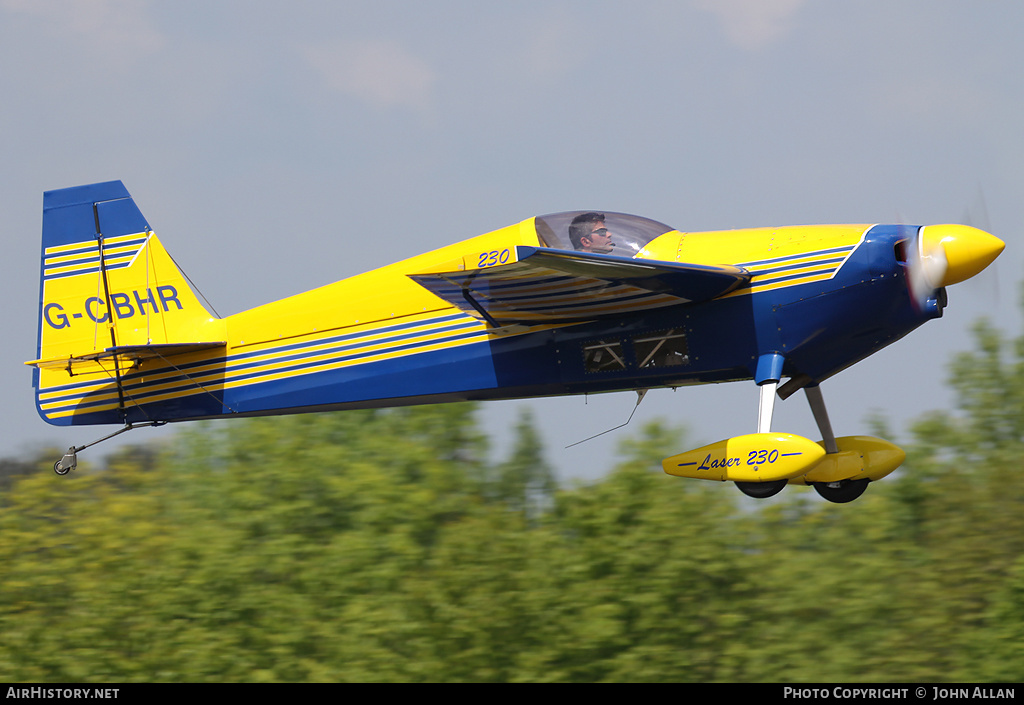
(543, 285)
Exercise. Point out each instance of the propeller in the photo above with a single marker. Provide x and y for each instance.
(941, 255)
(926, 268)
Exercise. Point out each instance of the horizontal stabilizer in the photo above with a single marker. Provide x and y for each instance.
(543, 285)
(124, 353)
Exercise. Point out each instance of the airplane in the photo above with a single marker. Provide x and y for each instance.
(569, 303)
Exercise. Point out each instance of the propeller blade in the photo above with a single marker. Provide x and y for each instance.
(926, 268)
(977, 216)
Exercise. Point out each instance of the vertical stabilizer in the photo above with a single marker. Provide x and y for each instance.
(107, 285)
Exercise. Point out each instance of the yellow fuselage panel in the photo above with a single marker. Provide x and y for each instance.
(751, 245)
(383, 294)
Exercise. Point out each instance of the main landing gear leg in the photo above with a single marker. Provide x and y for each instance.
(770, 368)
(817, 403)
(841, 491)
(766, 407)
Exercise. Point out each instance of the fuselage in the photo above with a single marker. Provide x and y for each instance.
(823, 297)
(818, 297)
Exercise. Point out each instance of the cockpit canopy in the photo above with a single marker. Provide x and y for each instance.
(629, 233)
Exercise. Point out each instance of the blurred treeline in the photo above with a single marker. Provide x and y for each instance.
(384, 546)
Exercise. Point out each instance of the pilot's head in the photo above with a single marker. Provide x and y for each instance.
(588, 233)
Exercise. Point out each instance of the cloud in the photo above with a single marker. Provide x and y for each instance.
(753, 24)
(110, 28)
(382, 74)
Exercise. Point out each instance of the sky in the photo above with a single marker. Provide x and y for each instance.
(279, 146)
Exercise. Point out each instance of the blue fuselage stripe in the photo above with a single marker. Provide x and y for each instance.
(231, 371)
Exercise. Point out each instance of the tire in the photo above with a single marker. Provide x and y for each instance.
(762, 490)
(843, 491)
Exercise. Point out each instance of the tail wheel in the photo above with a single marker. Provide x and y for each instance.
(843, 491)
(762, 490)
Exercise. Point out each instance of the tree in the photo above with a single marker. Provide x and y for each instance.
(382, 546)
(525, 481)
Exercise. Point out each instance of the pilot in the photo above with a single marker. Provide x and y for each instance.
(588, 234)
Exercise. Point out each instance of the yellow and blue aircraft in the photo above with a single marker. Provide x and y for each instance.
(567, 303)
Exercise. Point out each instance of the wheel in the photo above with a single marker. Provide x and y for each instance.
(843, 491)
(762, 490)
(67, 463)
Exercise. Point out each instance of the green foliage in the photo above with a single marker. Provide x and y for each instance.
(525, 479)
(384, 546)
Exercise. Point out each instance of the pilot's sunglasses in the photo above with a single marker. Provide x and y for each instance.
(603, 232)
